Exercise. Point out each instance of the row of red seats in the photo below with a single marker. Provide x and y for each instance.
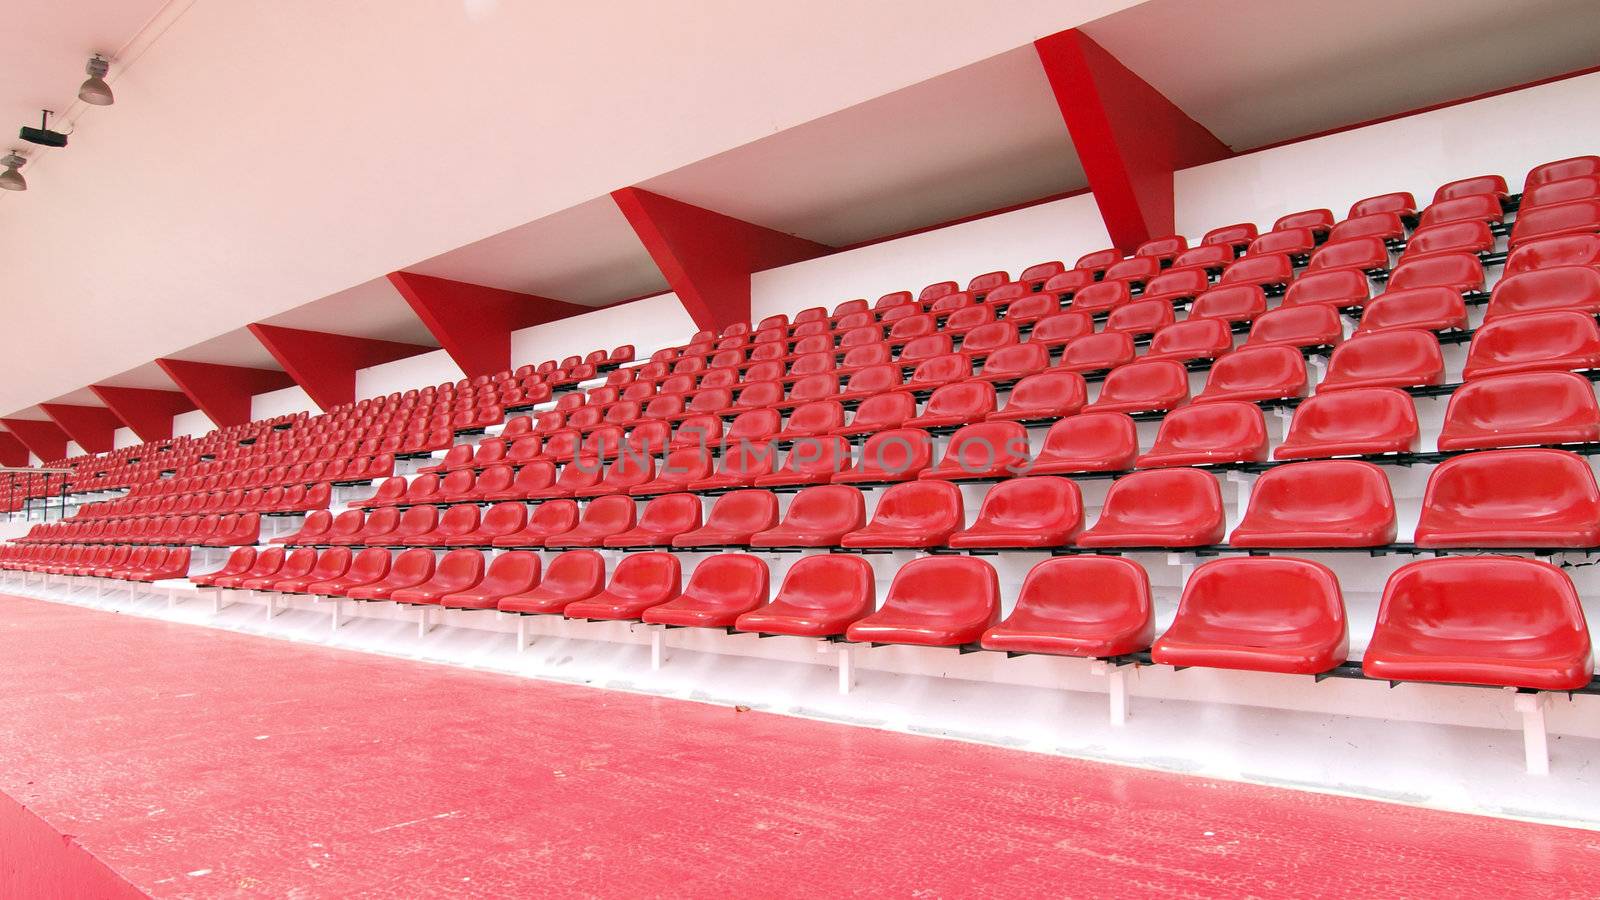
(210, 529)
(171, 495)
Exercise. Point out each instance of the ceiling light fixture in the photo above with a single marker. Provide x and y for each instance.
(11, 179)
(95, 91)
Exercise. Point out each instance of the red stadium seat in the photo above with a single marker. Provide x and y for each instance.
(735, 518)
(1231, 303)
(508, 574)
(570, 577)
(546, 519)
(1154, 386)
(1366, 254)
(370, 566)
(1293, 241)
(813, 420)
(1428, 309)
(1342, 288)
(331, 563)
(664, 518)
(820, 596)
(1325, 503)
(315, 528)
(1059, 329)
(1040, 511)
(240, 562)
(1439, 620)
(1194, 338)
(899, 454)
(1256, 373)
(1319, 221)
(1047, 395)
(741, 464)
(1095, 606)
(1559, 287)
(1163, 248)
(1482, 208)
(1259, 614)
(1159, 508)
(1511, 498)
(1575, 217)
(640, 581)
(1015, 362)
(935, 601)
(1401, 203)
(1562, 250)
(1450, 237)
(956, 404)
(720, 590)
(1208, 434)
(1352, 423)
(915, 514)
(811, 460)
(1461, 272)
(1520, 409)
(1264, 271)
(1032, 308)
(679, 469)
(881, 412)
(1141, 317)
(1407, 358)
(1534, 342)
(1092, 442)
(408, 569)
(457, 570)
(455, 523)
(1561, 170)
(1101, 297)
(1133, 270)
(1177, 284)
(1383, 225)
(1311, 325)
(1235, 236)
(602, 518)
(817, 517)
(984, 450)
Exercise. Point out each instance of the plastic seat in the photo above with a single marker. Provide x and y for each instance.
(508, 574)
(1047, 395)
(1450, 237)
(1234, 236)
(1096, 352)
(1094, 606)
(734, 519)
(1264, 271)
(1091, 442)
(1061, 328)
(315, 528)
(570, 577)
(1461, 272)
(1101, 297)
(820, 596)
(915, 514)
(1256, 373)
(1535, 342)
(1230, 303)
(818, 516)
(1133, 270)
(741, 464)
(1014, 362)
(1561, 170)
(1176, 284)
(664, 518)
(408, 569)
(1427, 309)
(1490, 620)
(1159, 508)
(935, 601)
(813, 420)
(298, 564)
(811, 460)
(900, 454)
(389, 492)
(1312, 325)
(1366, 254)
(546, 519)
(1191, 339)
(498, 521)
(1208, 434)
(720, 590)
(882, 412)
(1032, 308)
(983, 450)
(1259, 614)
(457, 523)
(955, 404)
(1325, 503)
(1319, 221)
(1357, 422)
(640, 581)
(679, 469)
(1559, 287)
(1039, 511)
(940, 370)
(1401, 203)
(602, 518)
(1520, 409)
(1341, 288)
(1561, 250)
(1141, 317)
(457, 570)
(368, 567)
(1154, 386)
(1481, 208)
(1401, 358)
(240, 561)
(1511, 498)
(1575, 217)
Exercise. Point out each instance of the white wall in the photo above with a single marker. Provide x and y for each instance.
(648, 324)
(283, 402)
(402, 374)
(124, 437)
(192, 424)
(1506, 135)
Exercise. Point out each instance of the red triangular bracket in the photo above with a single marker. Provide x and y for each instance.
(147, 411)
(474, 323)
(222, 392)
(325, 364)
(45, 439)
(94, 428)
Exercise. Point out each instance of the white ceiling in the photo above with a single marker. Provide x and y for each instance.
(373, 309)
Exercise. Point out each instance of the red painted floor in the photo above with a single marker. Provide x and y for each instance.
(195, 762)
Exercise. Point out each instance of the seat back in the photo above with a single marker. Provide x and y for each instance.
(642, 576)
(1524, 408)
(1325, 503)
(1359, 421)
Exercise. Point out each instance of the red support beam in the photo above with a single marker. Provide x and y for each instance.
(147, 411)
(44, 438)
(92, 427)
(473, 323)
(325, 364)
(707, 257)
(1129, 137)
(12, 451)
(223, 392)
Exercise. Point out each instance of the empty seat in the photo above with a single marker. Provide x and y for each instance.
(1177, 284)
(810, 460)
(1356, 422)
(813, 420)
(899, 454)
(1311, 325)
(1559, 287)
(818, 516)
(1260, 614)
(1191, 339)
(1518, 409)
(1091, 442)
(741, 464)
(1562, 250)
(1402, 358)
(1293, 241)
(315, 528)
(1152, 386)
(679, 469)
(1058, 329)
(1428, 309)
(1095, 606)
(546, 519)
(1159, 508)
(720, 590)
(1235, 236)
(1047, 395)
(640, 581)
(1014, 362)
(1574, 217)
(1265, 271)
(331, 563)
(1256, 373)
(881, 412)
(239, 562)
(734, 519)
(1319, 221)
(1366, 254)
(508, 574)
(1039, 511)
(454, 524)
(1461, 272)
(1342, 288)
(956, 404)
(409, 569)
(368, 567)
(457, 570)
(602, 518)
(1450, 237)
(570, 577)
(1031, 308)
(1142, 317)
(1231, 303)
(935, 601)
(1209, 434)
(1401, 203)
(1535, 342)
(983, 450)
(1511, 498)
(820, 596)
(664, 518)
(1485, 620)
(1325, 503)
(914, 514)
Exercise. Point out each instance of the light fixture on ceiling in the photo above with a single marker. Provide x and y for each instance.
(11, 179)
(95, 91)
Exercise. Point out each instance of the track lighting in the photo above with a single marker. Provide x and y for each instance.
(95, 91)
(11, 179)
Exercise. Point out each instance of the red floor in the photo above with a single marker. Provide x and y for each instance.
(195, 762)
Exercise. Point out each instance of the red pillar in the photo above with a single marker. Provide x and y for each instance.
(325, 364)
(147, 411)
(222, 392)
(12, 452)
(1129, 137)
(92, 427)
(45, 439)
(473, 323)
(707, 257)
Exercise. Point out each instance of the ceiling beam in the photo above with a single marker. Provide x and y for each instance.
(94, 428)
(1128, 135)
(474, 323)
(223, 392)
(147, 411)
(707, 257)
(13, 453)
(325, 364)
(45, 439)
